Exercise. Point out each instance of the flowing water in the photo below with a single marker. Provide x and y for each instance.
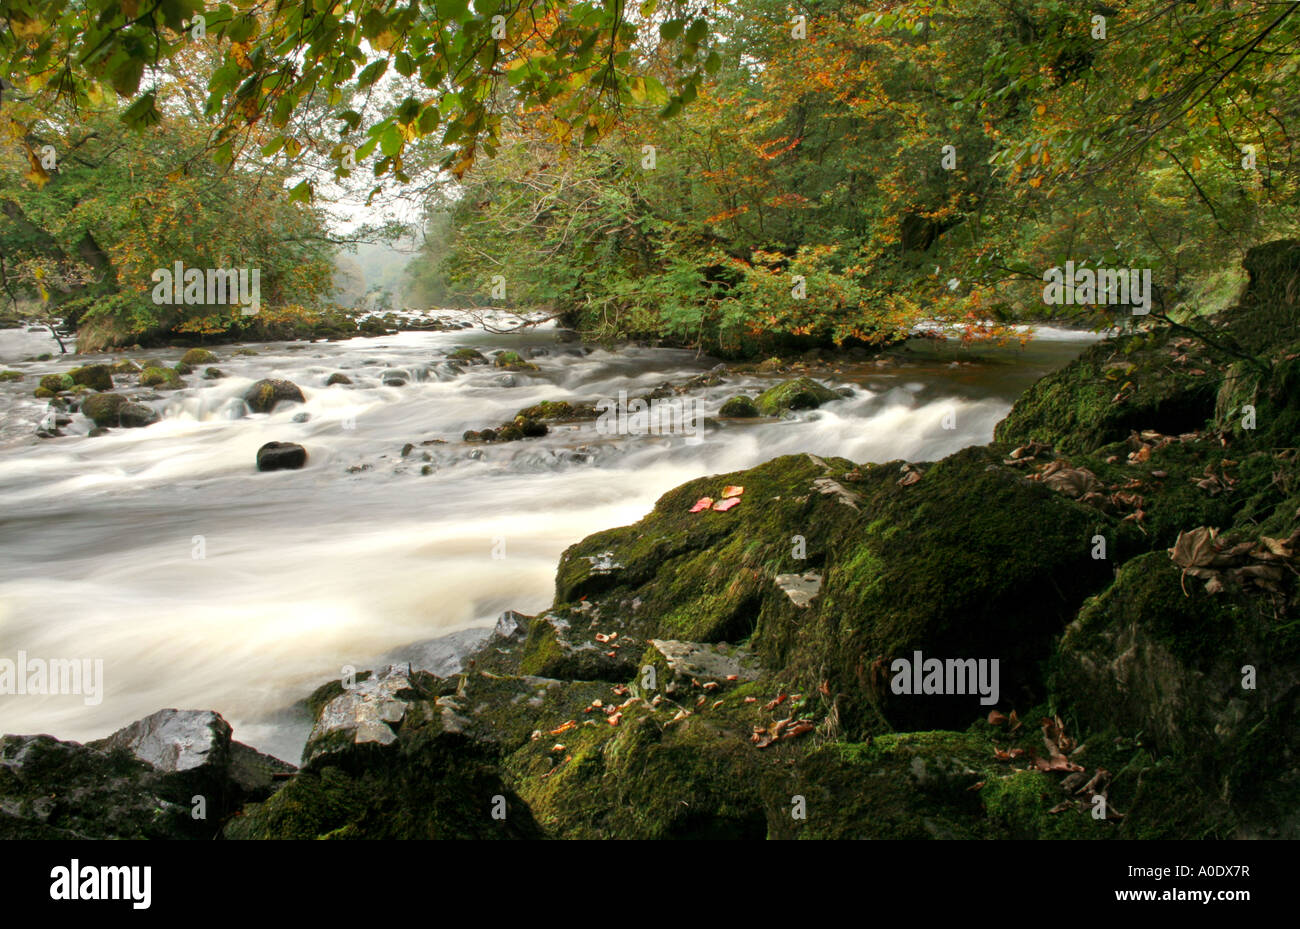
(202, 583)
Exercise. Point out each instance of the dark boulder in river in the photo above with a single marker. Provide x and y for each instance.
(263, 396)
(136, 415)
(276, 456)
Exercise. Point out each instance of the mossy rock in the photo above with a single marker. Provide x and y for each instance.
(337, 378)
(165, 378)
(245, 351)
(704, 576)
(266, 394)
(198, 356)
(739, 407)
(644, 780)
(10, 376)
(558, 411)
(126, 366)
(102, 409)
(467, 355)
(513, 361)
(43, 393)
(55, 383)
(913, 785)
(1155, 653)
(1115, 387)
(801, 393)
(96, 376)
(182, 368)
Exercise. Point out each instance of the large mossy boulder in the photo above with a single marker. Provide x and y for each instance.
(833, 571)
(198, 356)
(165, 378)
(266, 394)
(54, 383)
(801, 393)
(141, 782)
(96, 376)
(1114, 388)
(102, 409)
(1213, 678)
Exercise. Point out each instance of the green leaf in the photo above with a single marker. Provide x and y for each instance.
(372, 72)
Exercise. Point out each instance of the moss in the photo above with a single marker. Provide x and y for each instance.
(198, 356)
(10, 376)
(902, 786)
(43, 393)
(801, 393)
(1019, 805)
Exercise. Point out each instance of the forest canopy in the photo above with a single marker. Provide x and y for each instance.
(716, 174)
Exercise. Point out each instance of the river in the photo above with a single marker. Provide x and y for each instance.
(202, 583)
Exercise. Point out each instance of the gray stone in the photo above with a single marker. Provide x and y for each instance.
(703, 662)
(800, 588)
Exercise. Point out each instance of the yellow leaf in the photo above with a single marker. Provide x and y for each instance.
(1042, 108)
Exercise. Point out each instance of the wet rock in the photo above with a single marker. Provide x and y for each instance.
(301, 417)
(395, 378)
(136, 415)
(364, 713)
(213, 374)
(277, 456)
(266, 394)
(337, 378)
(512, 625)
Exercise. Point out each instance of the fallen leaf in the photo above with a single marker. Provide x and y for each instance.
(723, 505)
(571, 724)
(732, 490)
(702, 504)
